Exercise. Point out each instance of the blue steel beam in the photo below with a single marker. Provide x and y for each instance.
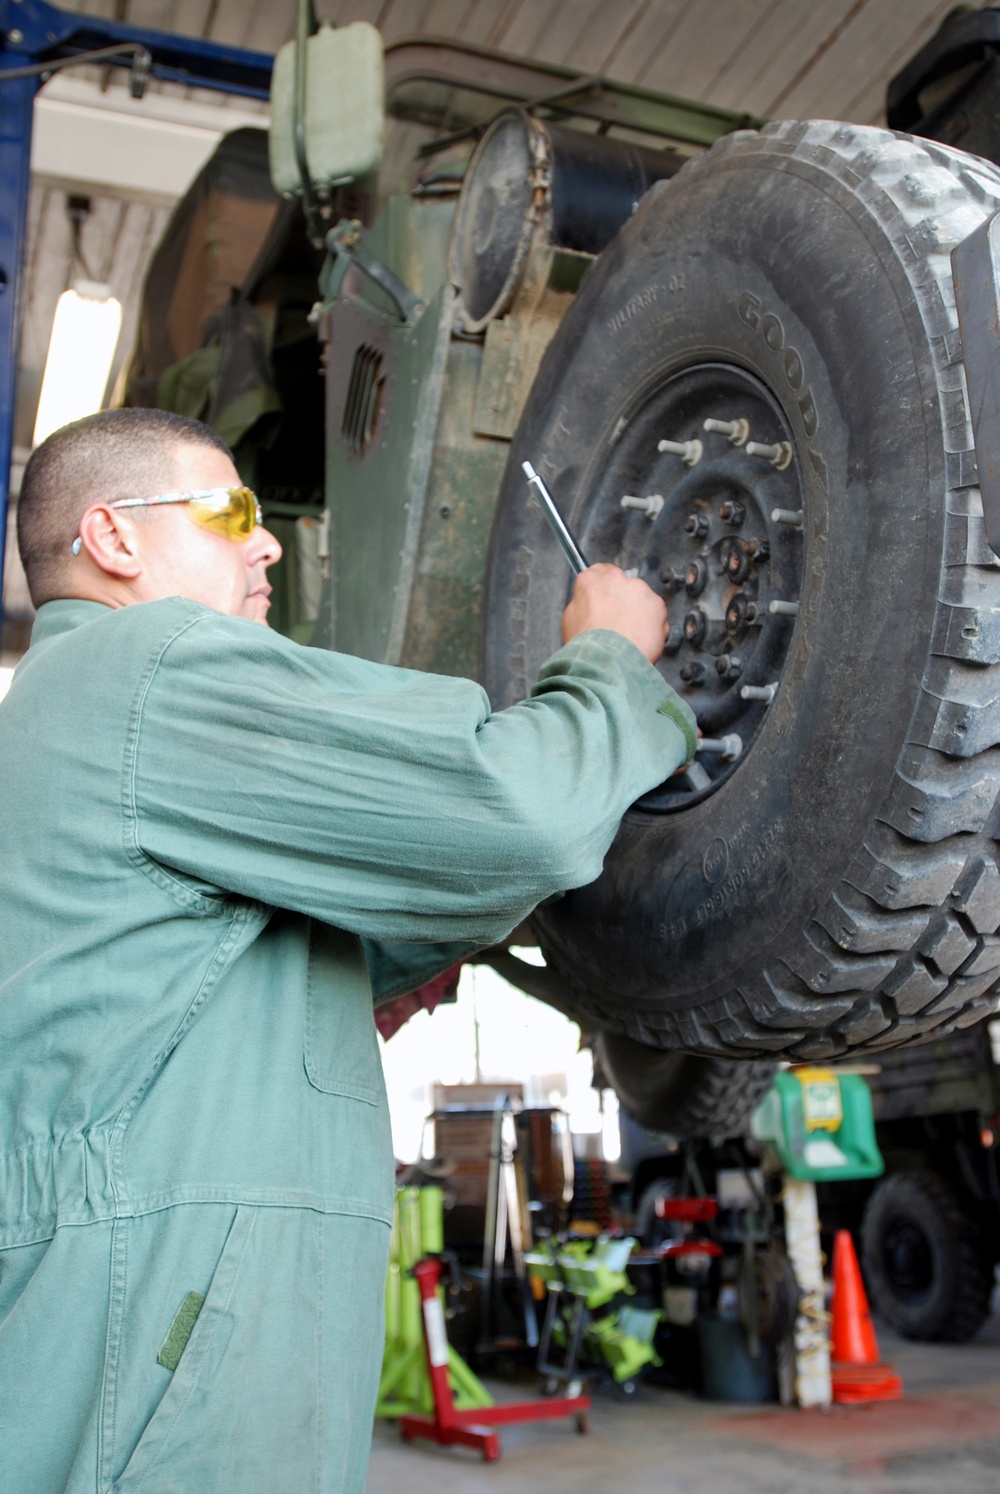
(34, 33)
(16, 101)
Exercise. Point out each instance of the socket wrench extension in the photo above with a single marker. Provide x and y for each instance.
(570, 548)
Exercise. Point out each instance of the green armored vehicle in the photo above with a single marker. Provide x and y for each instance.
(731, 350)
(930, 1228)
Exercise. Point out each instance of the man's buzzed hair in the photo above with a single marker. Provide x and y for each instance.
(114, 454)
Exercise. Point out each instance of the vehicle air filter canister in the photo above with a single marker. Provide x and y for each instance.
(575, 189)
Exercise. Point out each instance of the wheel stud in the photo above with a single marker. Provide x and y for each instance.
(696, 626)
(732, 512)
(650, 506)
(729, 666)
(735, 431)
(688, 451)
(694, 673)
(757, 550)
(783, 609)
(695, 577)
(758, 692)
(791, 516)
(696, 525)
(779, 455)
(729, 747)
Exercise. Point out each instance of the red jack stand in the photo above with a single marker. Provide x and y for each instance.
(472, 1428)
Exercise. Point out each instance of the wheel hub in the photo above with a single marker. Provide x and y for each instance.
(701, 497)
(908, 1260)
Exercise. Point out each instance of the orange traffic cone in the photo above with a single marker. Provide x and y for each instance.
(856, 1373)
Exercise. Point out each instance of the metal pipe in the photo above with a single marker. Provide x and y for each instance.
(15, 153)
(305, 26)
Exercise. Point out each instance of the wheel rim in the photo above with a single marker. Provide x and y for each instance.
(908, 1260)
(709, 542)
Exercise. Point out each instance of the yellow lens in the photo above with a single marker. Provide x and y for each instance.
(232, 513)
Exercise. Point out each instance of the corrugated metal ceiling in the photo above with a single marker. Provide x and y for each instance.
(777, 58)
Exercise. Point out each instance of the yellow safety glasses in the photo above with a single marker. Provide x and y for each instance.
(231, 512)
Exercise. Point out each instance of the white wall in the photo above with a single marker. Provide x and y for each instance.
(493, 1033)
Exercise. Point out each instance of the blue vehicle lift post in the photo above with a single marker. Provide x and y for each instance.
(37, 39)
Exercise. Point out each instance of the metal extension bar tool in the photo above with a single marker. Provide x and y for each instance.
(569, 545)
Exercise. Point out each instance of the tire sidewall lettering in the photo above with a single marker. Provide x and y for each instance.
(771, 332)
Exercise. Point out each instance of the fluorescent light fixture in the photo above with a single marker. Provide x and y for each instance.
(81, 350)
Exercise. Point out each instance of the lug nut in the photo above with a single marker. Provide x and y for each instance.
(696, 626)
(694, 673)
(757, 550)
(696, 778)
(740, 613)
(783, 609)
(792, 516)
(689, 451)
(735, 431)
(758, 692)
(729, 666)
(732, 512)
(695, 577)
(779, 455)
(650, 506)
(696, 525)
(736, 562)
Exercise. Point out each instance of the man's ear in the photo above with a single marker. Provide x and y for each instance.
(111, 540)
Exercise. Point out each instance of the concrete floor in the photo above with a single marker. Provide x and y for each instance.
(943, 1437)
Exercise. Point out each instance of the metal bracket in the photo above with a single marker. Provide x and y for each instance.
(588, 83)
(975, 267)
(345, 249)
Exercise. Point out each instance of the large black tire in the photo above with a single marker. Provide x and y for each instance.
(927, 1271)
(680, 1093)
(836, 888)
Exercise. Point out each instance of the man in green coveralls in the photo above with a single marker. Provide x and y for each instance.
(217, 845)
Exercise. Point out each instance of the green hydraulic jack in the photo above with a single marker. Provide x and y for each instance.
(405, 1387)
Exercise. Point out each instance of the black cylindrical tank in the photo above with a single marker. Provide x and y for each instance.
(587, 185)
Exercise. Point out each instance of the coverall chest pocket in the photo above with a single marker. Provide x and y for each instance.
(341, 1051)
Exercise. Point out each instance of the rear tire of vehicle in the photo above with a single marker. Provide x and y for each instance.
(924, 1261)
(680, 1093)
(836, 888)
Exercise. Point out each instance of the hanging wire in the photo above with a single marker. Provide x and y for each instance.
(142, 65)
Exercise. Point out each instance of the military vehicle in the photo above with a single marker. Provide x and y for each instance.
(731, 349)
(930, 1228)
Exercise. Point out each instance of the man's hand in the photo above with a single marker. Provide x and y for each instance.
(604, 597)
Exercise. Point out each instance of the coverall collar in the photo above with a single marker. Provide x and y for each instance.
(62, 616)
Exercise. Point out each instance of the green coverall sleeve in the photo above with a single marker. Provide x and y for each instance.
(391, 803)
